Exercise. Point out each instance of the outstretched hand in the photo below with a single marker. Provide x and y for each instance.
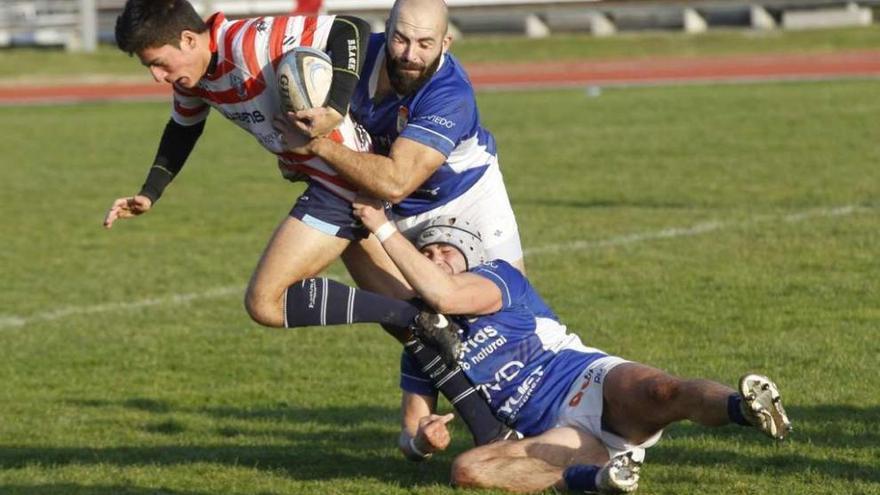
(433, 435)
(127, 208)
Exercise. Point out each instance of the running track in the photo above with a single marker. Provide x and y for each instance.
(654, 71)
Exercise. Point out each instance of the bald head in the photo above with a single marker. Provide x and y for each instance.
(429, 17)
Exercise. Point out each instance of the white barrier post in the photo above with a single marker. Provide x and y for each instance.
(88, 26)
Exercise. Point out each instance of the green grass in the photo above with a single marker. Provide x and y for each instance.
(108, 62)
(190, 398)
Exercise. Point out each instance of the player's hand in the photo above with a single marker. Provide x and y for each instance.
(433, 435)
(127, 208)
(292, 139)
(314, 122)
(370, 211)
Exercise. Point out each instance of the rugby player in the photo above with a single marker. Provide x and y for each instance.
(230, 66)
(587, 415)
(432, 156)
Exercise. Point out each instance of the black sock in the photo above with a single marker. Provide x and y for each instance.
(455, 386)
(320, 301)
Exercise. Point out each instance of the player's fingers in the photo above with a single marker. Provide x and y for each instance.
(446, 418)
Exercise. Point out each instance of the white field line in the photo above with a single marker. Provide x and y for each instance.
(9, 321)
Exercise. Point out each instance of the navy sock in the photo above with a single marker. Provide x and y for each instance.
(734, 410)
(581, 477)
(320, 301)
(471, 406)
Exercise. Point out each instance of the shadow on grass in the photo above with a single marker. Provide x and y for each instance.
(69, 488)
(819, 431)
(344, 442)
(330, 443)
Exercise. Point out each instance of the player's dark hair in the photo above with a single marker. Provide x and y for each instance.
(154, 23)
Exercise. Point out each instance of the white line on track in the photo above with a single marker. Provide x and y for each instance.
(10, 321)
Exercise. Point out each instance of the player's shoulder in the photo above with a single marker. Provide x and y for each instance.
(500, 271)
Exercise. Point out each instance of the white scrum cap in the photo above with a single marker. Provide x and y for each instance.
(456, 232)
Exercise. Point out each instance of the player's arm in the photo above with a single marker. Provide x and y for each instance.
(391, 178)
(459, 294)
(174, 148)
(422, 432)
(346, 45)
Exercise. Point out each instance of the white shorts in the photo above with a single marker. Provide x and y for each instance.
(486, 206)
(582, 409)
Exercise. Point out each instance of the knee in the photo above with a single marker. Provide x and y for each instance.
(261, 309)
(662, 388)
(464, 472)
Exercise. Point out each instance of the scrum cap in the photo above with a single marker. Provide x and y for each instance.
(456, 232)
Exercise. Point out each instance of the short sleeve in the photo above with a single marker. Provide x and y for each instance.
(509, 280)
(188, 109)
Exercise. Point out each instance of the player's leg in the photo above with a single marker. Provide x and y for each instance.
(640, 401)
(281, 293)
(532, 464)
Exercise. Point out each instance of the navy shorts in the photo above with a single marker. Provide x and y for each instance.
(319, 208)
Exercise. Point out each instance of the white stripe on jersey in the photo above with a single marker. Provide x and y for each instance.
(470, 154)
(554, 338)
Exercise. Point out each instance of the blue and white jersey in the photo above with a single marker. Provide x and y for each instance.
(442, 114)
(520, 358)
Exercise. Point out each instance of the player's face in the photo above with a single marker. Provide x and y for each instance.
(413, 55)
(182, 66)
(446, 257)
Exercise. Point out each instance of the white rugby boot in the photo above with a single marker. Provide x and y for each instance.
(619, 475)
(762, 406)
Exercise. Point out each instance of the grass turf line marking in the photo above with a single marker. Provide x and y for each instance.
(10, 321)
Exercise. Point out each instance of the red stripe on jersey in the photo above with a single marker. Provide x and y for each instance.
(249, 50)
(188, 112)
(215, 21)
(276, 40)
(227, 64)
(309, 26)
(302, 167)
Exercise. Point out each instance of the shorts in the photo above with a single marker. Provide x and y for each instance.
(486, 206)
(319, 208)
(582, 409)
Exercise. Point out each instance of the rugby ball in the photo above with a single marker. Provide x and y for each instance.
(304, 75)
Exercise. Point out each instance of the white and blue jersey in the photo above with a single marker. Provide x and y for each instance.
(442, 114)
(520, 358)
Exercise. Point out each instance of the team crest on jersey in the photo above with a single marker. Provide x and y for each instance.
(238, 84)
(402, 118)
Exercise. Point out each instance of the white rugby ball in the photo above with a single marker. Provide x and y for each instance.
(304, 75)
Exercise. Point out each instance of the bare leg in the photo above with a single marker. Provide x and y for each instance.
(372, 269)
(528, 465)
(641, 400)
(295, 251)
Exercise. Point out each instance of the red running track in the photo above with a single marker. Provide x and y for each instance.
(653, 71)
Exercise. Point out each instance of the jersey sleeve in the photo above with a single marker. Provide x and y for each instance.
(187, 109)
(442, 117)
(509, 280)
(412, 379)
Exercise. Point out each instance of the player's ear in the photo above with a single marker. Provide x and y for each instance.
(446, 43)
(188, 39)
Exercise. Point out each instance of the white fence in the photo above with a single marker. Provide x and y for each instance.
(79, 24)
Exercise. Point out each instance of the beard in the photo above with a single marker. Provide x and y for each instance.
(403, 83)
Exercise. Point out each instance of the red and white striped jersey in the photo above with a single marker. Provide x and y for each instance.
(243, 87)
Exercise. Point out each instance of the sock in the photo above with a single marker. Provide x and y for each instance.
(320, 301)
(734, 410)
(581, 477)
(471, 406)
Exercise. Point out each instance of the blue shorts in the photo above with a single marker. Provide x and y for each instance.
(319, 208)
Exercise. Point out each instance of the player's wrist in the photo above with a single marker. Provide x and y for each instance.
(385, 231)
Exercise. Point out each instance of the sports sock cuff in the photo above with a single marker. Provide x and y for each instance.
(581, 477)
(734, 410)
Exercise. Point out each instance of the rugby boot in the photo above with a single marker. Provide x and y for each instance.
(440, 333)
(619, 475)
(762, 406)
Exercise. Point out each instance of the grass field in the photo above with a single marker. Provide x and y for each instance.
(707, 230)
